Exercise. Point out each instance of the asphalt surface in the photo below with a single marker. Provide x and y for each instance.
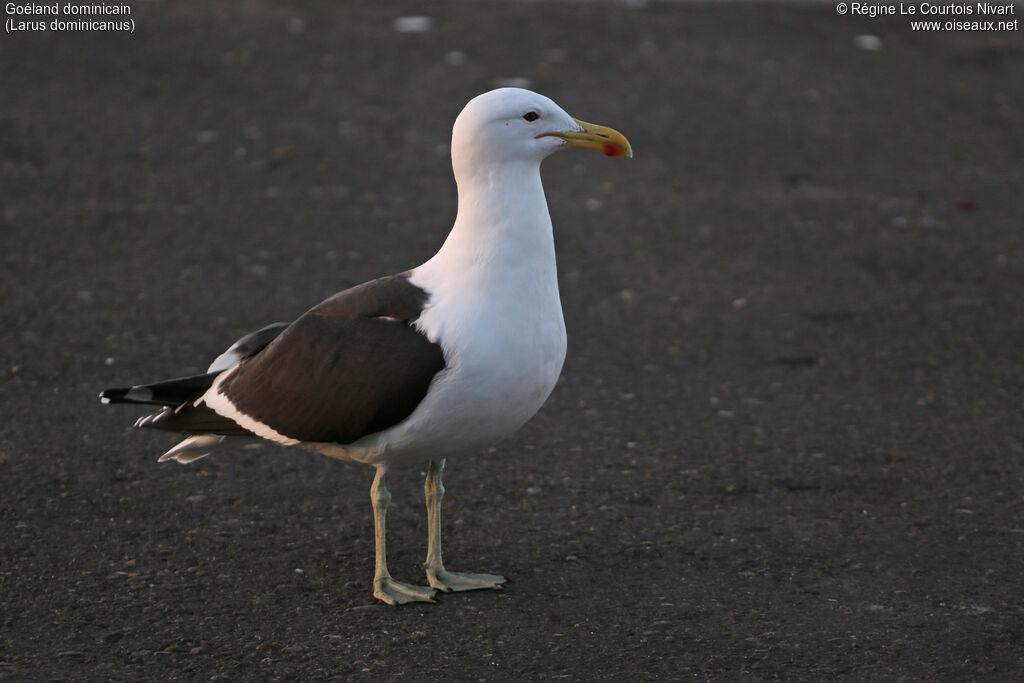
(788, 439)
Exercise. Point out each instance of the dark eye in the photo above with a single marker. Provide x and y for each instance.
(531, 116)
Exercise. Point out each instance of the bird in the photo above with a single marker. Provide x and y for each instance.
(437, 362)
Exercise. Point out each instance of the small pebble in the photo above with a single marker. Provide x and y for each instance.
(455, 58)
(868, 42)
(513, 82)
(413, 24)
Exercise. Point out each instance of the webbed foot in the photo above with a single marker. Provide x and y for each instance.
(397, 593)
(447, 581)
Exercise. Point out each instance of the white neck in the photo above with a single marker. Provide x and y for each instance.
(503, 222)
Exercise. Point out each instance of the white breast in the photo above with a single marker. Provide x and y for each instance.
(504, 343)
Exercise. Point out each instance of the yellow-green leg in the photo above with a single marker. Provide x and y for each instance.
(384, 587)
(437, 575)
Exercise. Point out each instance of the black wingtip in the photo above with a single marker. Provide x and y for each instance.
(115, 395)
(170, 392)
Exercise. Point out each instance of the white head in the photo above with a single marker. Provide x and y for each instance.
(515, 125)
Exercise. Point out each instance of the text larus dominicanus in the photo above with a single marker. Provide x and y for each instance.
(442, 360)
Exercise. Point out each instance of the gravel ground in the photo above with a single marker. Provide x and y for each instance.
(788, 439)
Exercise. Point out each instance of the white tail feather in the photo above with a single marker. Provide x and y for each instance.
(193, 448)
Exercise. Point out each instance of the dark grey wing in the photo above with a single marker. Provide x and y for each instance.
(330, 379)
(351, 366)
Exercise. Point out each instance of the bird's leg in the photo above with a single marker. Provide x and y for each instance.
(437, 575)
(384, 587)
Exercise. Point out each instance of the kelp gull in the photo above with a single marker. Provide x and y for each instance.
(442, 360)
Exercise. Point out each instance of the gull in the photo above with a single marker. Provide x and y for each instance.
(437, 362)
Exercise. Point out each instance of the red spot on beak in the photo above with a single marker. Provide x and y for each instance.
(613, 151)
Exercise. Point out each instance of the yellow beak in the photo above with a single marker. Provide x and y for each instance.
(610, 142)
